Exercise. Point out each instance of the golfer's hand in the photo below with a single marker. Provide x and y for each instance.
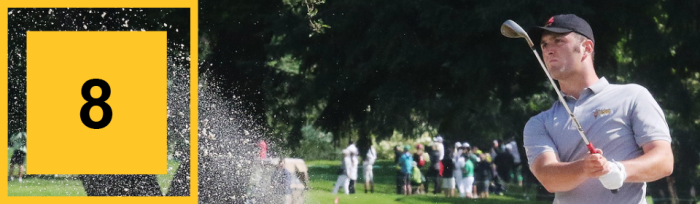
(595, 165)
(615, 178)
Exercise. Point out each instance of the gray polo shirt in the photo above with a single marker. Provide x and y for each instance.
(619, 119)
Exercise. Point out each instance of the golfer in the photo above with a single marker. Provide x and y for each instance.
(624, 121)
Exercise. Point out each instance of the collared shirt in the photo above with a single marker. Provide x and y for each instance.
(619, 119)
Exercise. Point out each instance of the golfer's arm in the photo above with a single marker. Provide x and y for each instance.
(557, 176)
(654, 164)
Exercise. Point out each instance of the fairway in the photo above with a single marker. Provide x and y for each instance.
(323, 177)
(68, 185)
(36, 186)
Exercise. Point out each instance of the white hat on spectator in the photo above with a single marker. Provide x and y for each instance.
(438, 139)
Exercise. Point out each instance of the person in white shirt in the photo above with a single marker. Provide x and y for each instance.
(354, 152)
(440, 147)
(458, 159)
(343, 178)
(367, 167)
(352, 171)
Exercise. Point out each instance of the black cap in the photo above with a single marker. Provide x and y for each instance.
(564, 23)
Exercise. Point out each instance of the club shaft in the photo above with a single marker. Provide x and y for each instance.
(563, 103)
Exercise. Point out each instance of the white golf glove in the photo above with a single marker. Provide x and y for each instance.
(615, 178)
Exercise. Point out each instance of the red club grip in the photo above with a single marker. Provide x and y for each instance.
(591, 148)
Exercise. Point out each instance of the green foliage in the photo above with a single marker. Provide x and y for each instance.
(385, 148)
(316, 145)
(286, 64)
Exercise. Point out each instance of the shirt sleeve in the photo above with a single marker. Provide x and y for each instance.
(536, 139)
(648, 120)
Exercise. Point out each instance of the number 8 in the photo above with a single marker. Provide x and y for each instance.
(106, 109)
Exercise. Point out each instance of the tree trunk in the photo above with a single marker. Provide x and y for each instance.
(672, 189)
(364, 142)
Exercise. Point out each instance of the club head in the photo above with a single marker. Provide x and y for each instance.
(513, 30)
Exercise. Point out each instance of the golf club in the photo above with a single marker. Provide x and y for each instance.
(513, 30)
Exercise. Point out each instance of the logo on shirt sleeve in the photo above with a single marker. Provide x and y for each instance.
(601, 112)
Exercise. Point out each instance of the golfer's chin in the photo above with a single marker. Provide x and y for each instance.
(553, 69)
(556, 73)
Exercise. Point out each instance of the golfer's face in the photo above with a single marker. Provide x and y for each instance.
(559, 53)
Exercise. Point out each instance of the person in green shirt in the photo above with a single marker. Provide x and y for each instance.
(468, 171)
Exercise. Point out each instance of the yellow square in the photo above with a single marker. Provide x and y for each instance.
(133, 66)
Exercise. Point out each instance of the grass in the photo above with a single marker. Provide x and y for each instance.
(165, 179)
(68, 185)
(38, 186)
(323, 176)
(319, 196)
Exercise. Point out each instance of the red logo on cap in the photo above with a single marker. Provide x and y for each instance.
(550, 21)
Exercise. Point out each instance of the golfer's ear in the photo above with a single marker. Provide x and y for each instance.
(588, 47)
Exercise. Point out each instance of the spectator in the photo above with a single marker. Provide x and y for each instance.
(457, 150)
(343, 179)
(448, 180)
(397, 156)
(397, 153)
(367, 167)
(406, 164)
(354, 152)
(476, 150)
(504, 163)
(418, 156)
(482, 175)
(495, 148)
(458, 160)
(19, 143)
(468, 177)
(417, 179)
(440, 148)
(352, 171)
(433, 174)
(512, 148)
